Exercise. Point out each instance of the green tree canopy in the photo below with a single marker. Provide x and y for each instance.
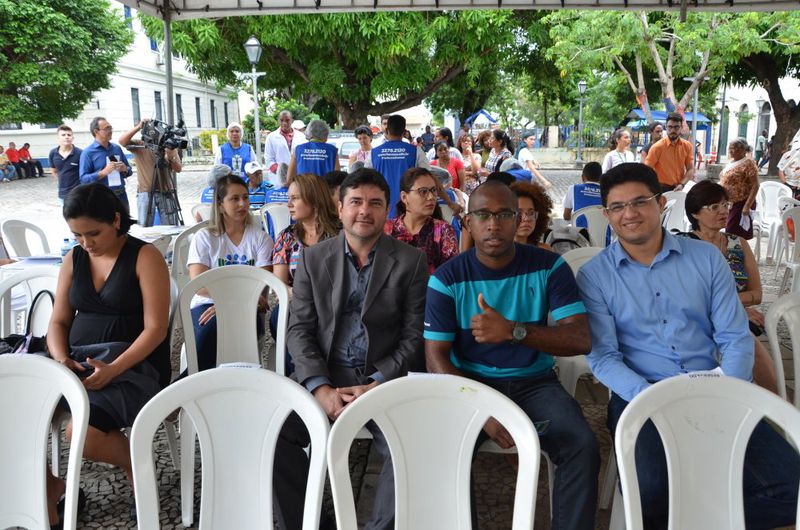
(361, 63)
(54, 54)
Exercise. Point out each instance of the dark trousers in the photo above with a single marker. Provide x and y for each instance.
(291, 466)
(771, 475)
(23, 169)
(35, 165)
(569, 442)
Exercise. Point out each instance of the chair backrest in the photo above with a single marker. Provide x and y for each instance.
(275, 216)
(203, 209)
(431, 424)
(786, 308)
(235, 290)
(162, 244)
(577, 257)
(180, 253)
(689, 185)
(768, 195)
(596, 224)
(15, 233)
(675, 219)
(792, 216)
(35, 385)
(29, 282)
(447, 213)
(237, 414)
(705, 422)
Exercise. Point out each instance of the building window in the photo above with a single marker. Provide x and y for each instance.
(153, 45)
(10, 126)
(225, 111)
(128, 17)
(179, 106)
(49, 125)
(159, 111)
(744, 117)
(213, 114)
(197, 111)
(137, 114)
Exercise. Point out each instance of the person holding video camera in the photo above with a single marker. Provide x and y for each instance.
(104, 161)
(145, 159)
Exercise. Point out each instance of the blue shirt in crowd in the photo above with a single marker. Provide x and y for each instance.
(258, 196)
(535, 283)
(678, 315)
(317, 158)
(67, 168)
(277, 195)
(391, 159)
(581, 196)
(236, 157)
(94, 158)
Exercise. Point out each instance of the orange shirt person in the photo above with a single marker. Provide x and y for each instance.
(671, 157)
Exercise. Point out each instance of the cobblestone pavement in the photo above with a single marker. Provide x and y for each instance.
(110, 496)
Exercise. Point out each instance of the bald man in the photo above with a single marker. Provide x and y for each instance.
(279, 146)
(486, 318)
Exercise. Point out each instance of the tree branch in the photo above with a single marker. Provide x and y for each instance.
(626, 73)
(415, 98)
(281, 57)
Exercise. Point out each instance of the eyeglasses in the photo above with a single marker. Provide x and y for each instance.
(637, 204)
(529, 214)
(714, 208)
(425, 192)
(107, 128)
(503, 216)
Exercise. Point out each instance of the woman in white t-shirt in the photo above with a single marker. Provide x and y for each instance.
(529, 162)
(620, 140)
(233, 238)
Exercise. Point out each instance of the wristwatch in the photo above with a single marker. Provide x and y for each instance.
(518, 333)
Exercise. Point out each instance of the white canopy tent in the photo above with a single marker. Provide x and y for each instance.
(176, 10)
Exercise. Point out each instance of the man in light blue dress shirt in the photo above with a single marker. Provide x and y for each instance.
(661, 306)
(104, 161)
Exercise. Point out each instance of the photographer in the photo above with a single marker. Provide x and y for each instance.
(145, 159)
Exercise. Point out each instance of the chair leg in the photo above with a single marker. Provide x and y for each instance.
(795, 282)
(758, 245)
(551, 479)
(784, 282)
(609, 483)
(172, 442)
(187, 469)
(617, 512)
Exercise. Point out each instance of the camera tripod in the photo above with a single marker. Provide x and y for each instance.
(163, 184)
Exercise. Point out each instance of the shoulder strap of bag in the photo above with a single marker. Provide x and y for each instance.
(34, 303)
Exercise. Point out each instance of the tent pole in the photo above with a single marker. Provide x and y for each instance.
(168, 63)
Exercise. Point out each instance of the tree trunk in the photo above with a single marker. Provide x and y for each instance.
(787, 117)
(352, 117)
(544, 109)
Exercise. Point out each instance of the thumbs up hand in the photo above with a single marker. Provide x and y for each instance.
(490, 327)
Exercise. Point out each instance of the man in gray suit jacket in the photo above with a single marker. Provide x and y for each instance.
(356, 320)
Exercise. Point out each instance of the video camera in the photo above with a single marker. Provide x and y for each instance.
(158, 134)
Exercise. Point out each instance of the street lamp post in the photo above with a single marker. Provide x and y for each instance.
(253, 49)
(582, 90)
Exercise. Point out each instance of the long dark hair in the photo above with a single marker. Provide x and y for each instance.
(505, 140)
(702, 194)
(407, 182)
(99, 203)
(542, 203)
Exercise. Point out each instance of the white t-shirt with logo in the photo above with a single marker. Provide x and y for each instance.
(213, 251)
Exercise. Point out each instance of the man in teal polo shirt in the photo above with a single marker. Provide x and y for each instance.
(486, 318)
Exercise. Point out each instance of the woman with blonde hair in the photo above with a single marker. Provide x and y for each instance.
(315, 219)
(233, 237)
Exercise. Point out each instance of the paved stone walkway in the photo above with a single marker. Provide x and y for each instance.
(110, 496)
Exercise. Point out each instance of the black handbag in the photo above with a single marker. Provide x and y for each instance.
(27, 343)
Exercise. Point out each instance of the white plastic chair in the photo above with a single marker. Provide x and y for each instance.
(596, 223)
(35, 385)
(784, 203)
(792, 250)
(235, 290)
(162, 244)
(15, 234)
(279, 213)
(26, 284)
(675, 219)
(238, 414)
(578, 257)
(180, 253)
(705, 422)
(770, 216)
(786, 308)
(204, 209)
(431, 423)
(447, 213)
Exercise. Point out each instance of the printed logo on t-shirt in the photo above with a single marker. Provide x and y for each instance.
(235, 259)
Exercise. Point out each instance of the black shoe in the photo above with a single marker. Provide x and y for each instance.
(63, 503)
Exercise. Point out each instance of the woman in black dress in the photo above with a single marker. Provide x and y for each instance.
(111, 288)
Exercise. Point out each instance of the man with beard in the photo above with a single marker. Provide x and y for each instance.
(671, 157)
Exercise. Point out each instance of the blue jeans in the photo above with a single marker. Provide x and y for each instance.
(567, 439)
(8, 173)
(771, 475)
(167, 212)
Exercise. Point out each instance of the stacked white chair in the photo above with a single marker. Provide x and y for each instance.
(15, 234)
(792, 249)
(787, 309)
(784, 203)
(35, 385)
(770, 214)
(235, 290)
(278, 212)
(180, 253)
(675, 218)
(238, 414)
(431, 423)
(705, 422)
(596, 222)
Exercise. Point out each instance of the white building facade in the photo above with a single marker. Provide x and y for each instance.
(138, 90)
(747, 112)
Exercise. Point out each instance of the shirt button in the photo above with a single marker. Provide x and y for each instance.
(664, 321)
(658, 294)
(673, 347)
